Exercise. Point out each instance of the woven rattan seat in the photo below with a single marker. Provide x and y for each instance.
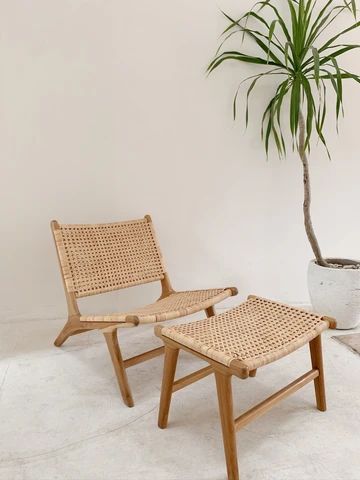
(255, 333)
(176, 305)
(238, 342)
(105, 257)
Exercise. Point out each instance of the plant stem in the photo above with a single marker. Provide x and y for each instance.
(307, 196)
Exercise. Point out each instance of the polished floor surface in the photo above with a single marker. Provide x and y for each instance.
(61, 417)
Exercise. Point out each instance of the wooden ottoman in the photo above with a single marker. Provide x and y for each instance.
(237, 342)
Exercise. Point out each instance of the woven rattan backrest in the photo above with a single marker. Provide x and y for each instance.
(104, 257)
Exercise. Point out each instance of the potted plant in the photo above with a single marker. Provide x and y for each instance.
(293, 47)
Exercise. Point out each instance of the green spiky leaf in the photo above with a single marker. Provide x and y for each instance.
(295, 43)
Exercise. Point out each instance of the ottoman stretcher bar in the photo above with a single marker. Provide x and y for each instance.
(238, 342)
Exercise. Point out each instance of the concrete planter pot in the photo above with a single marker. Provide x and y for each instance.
(336, 292)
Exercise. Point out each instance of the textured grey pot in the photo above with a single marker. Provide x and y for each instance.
(336, 292)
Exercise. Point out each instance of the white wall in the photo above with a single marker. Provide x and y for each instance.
(106, 114)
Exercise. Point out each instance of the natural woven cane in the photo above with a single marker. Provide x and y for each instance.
(104, 257)
(256, 332)
(176, 305)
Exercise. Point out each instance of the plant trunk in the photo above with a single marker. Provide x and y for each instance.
(307, 196)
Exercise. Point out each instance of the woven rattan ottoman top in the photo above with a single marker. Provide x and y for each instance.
(255, 333)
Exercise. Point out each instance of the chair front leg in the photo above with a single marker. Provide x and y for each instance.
(225, 399)
(119, 367)
(170, 361)
(319, 382)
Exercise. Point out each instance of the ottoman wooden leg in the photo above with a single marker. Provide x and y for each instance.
(319, 382)
(170, 361)
(224, 392)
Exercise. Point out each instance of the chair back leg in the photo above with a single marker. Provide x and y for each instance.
(119, 367)
(71, 328)
(225, 399)
(63, 335)
(210, 311)
(170, 361)
(319, 382)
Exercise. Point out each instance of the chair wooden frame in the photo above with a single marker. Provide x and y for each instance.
(77, 323)
(223, 377)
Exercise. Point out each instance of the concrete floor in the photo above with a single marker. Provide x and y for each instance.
(61, 417)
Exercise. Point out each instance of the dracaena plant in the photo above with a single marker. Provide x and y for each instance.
(294, 48)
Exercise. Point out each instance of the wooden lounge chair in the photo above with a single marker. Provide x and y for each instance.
(238, 342)
(105, 257)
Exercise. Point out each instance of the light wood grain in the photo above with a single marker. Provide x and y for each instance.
(170, 361)
(225, 399)
(319, 382)
(143, 357)
(119, 367)
(271, 401)
(192, 378)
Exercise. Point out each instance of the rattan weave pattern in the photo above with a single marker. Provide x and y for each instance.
(176, 305)
(256, 332)
(103, 257)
